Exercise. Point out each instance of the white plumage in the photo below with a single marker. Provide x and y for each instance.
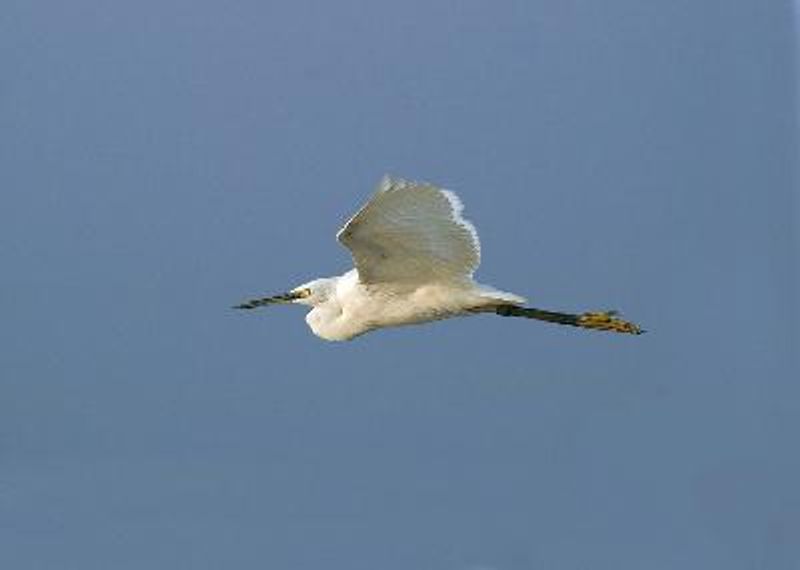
(410, 232)
(414, 257)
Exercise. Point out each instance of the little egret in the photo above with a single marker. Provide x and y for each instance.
(414, 257)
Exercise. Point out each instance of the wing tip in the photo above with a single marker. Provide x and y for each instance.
(457, 207)
(389, 182)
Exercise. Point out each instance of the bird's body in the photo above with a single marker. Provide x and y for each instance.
(414, 256)
(353, 308)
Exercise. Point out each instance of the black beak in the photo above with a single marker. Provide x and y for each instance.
(274, 300)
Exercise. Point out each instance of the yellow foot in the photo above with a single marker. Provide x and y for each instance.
(607, 321)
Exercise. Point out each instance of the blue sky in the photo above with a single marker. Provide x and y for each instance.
(160, 161)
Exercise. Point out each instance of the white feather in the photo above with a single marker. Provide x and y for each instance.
(410, 231)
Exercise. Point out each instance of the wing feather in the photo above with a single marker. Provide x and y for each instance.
(411, 232)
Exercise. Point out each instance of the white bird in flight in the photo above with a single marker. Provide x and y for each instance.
(414, 257)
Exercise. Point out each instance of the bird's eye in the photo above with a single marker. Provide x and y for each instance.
(305, 292)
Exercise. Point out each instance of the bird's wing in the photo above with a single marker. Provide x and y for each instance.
(411, 232)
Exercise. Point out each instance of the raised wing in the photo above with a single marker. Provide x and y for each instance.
(411, 232)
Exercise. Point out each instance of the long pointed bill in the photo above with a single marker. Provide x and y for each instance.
(281, 299)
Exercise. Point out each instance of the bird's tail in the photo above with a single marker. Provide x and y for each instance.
(496, 296)
(602, 320)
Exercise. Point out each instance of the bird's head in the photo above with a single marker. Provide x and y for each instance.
(312, 294)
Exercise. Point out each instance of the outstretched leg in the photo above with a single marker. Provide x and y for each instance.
(604, 321)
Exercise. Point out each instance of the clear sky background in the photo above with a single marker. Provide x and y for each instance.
(163, 160)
